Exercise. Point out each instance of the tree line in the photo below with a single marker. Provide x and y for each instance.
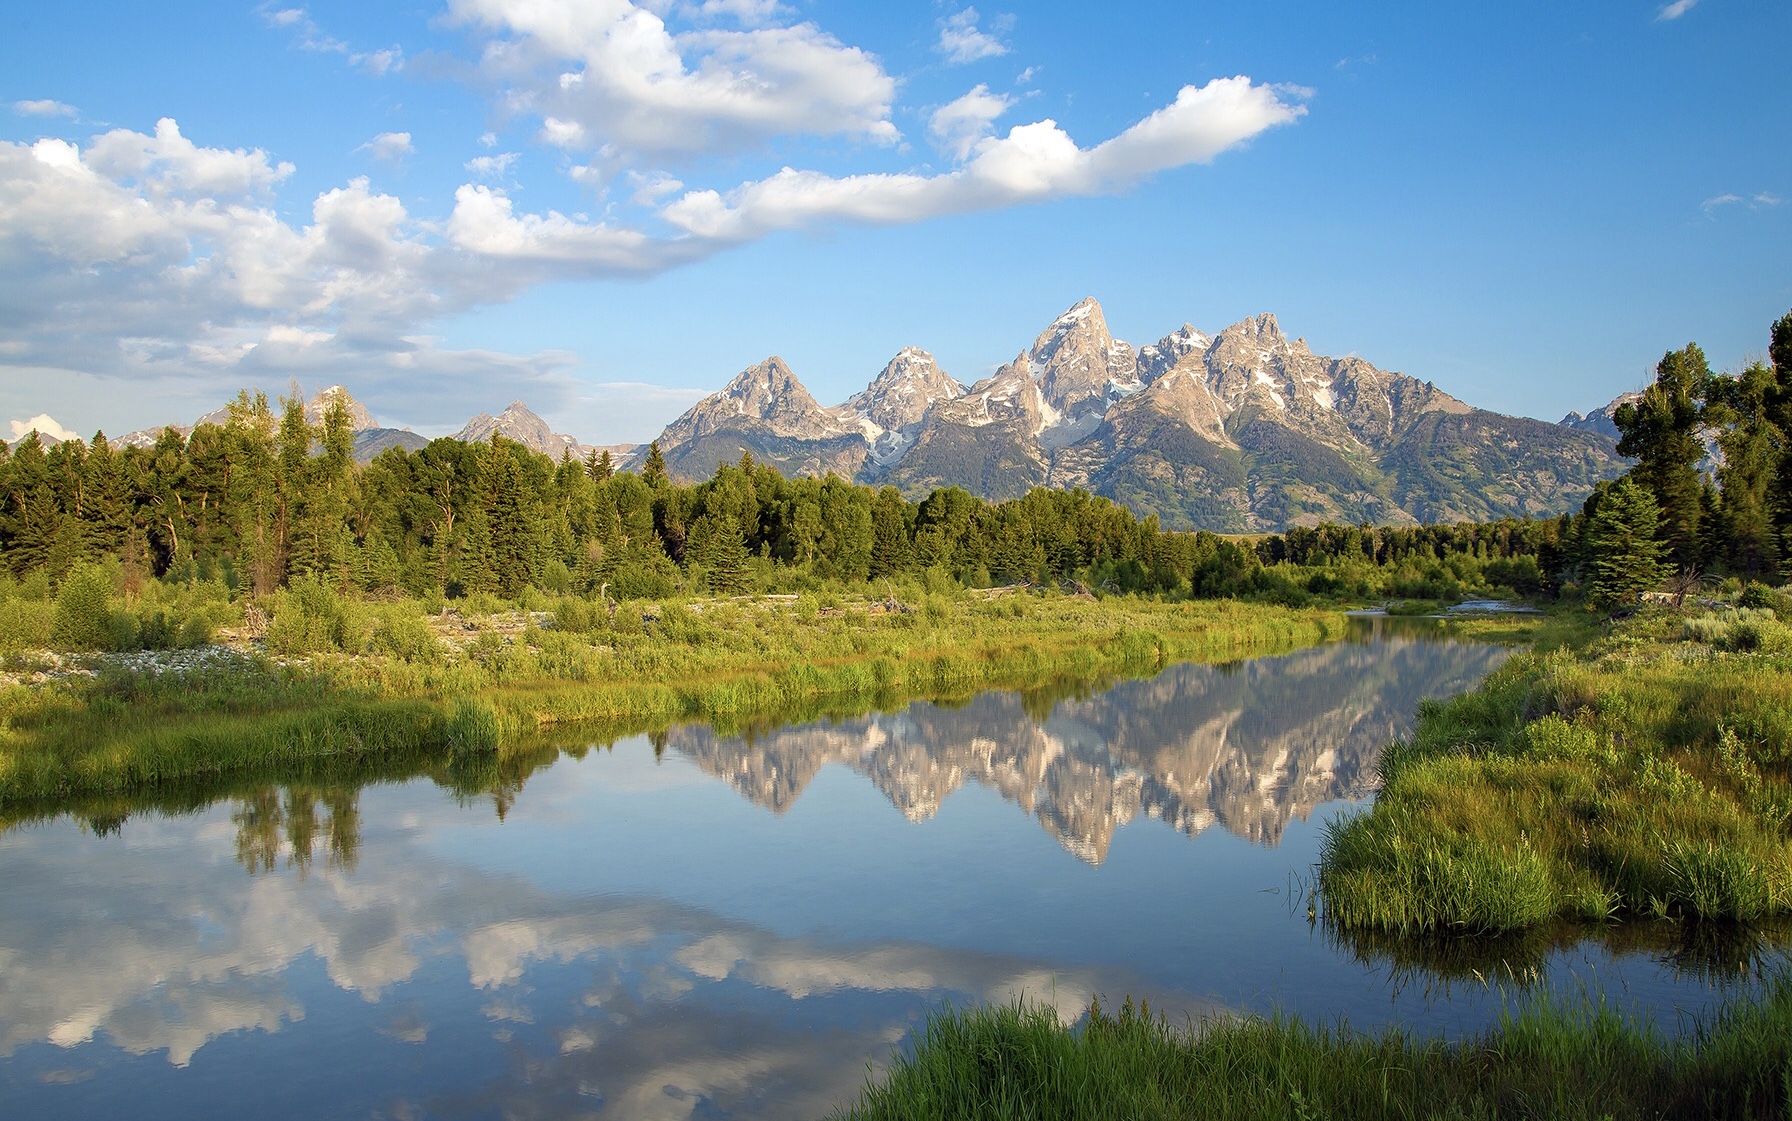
(267, 497)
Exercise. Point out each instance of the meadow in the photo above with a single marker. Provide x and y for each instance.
(1634, 769)
(335, 677)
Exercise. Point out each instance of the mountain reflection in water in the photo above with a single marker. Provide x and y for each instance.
(627, 937)
(1247, 745)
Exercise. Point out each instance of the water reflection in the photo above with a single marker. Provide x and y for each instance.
(1248, 746)
(537, 1002)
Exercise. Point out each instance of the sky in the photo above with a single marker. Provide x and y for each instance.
(607, 209)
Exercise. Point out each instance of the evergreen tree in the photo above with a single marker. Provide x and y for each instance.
(653, 472)
(1751, 475)
(1623, 548)
(1662, 432)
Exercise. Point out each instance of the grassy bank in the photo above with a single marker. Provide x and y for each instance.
(1548, 1059)
(1637, 769)
(415, 681)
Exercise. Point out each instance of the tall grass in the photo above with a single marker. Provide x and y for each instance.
(1547, 1057)
(376, 679)
(1643, 771)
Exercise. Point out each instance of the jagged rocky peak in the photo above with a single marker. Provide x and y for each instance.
(767, 397)
(900, 396)
(517, 423)
(359, 419)
(768, 390)
(1079, 365)
(1157, 360)
(1601, 420)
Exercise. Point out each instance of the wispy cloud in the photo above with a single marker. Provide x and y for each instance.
(307, 35)
(491, 167)
(389, 146)
(44, 108)
(1757, 201)
(1675, 10)
(962, 41)
(961, 125)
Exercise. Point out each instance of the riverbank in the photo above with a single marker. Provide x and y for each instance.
(1637, 769)
(403, 689)
(1546, 1059)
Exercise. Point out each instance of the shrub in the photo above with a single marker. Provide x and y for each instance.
(83, 619)
(404, 635)
(25, 624)
(310, 618)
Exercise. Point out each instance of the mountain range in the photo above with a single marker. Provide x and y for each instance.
(1241, 431)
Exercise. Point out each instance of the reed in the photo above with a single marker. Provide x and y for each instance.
(1548, 1056)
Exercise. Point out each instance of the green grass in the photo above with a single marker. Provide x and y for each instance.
(1644, 770)
(1546, 1058)
(737, 664)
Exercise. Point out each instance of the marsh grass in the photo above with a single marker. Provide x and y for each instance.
(1640, 771)
(1547, 1057)
(380, 680)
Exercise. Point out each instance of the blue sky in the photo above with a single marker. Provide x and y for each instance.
(608, 209)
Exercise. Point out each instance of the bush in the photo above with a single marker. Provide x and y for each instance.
(404, 635)
(83, 618)
(25, 624)
(310, 618)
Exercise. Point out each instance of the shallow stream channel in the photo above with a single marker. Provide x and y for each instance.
(698, 925)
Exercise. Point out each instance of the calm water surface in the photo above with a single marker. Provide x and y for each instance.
(709, 926)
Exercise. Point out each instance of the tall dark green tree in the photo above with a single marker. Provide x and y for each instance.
(1623, 543)
(1662, 432)
(653, 472)
(1746, 537)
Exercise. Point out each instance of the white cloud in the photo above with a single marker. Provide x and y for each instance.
(651, 189)
(1032, 163)
(747, 13)
(152, 258)
(389, 146)
(610, 73)
(44, 108)
(491, 167)
(1677, 9)
(307, 35)
(1755, 201)
(961, 125)
(44, 425)
(962, 42)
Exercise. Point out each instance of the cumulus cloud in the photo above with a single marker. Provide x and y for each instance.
(44, 108)
(1675, 10)
(963, 42)
(611, 73)
(44, 425)
(1032, 163)
(147, 256)
(961, 125)
(389, 146)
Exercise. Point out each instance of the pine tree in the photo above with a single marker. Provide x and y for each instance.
(653, 472)
(1623, 549)
(1662, 432)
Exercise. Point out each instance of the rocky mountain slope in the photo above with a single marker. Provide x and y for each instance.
(1241, 431)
